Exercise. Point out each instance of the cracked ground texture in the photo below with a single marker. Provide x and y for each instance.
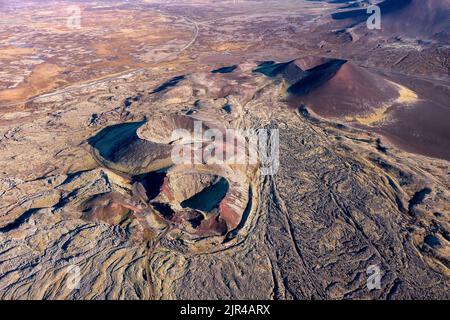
(339, 203)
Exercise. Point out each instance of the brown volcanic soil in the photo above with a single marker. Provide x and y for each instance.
(342, 200)
(413, 118)
(422, 127)
(61, 56)
(351, 90)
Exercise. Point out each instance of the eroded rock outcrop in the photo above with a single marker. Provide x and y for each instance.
(204, 198)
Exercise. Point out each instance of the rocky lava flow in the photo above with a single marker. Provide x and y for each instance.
(98, 189)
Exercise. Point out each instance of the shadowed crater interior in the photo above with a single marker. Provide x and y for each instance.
(209, 198)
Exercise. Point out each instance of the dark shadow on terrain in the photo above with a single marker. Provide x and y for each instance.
(110, 140)
(19, 220)
(271, 69)
(152, 183)
(168, 84)
(418, 198)
(315, 77)
(227, 108)
(225, 69)
(209, 198)
(164, 209)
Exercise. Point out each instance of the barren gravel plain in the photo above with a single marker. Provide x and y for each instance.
(93, 206)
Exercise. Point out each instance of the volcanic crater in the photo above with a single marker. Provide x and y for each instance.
(201, 200)
(89, 179)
